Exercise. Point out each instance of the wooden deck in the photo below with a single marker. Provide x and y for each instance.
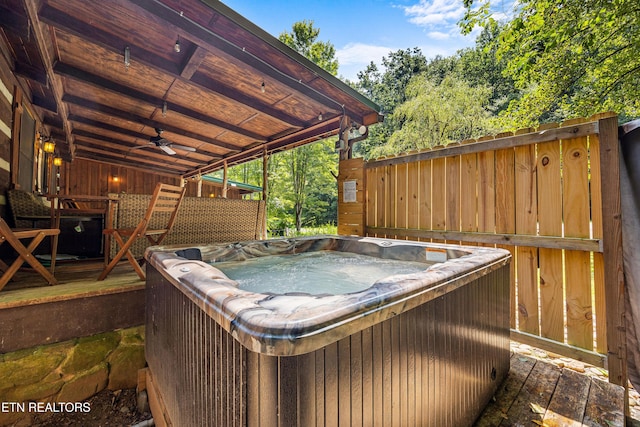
(535, 393)
(540, 393)
(32, 313)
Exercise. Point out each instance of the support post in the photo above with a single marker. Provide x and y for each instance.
(612, 251)
(265, 174)
(224, 181)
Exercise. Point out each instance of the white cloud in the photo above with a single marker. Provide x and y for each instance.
(438, 35)
(361, 53)
(430, 13)
(355, 57)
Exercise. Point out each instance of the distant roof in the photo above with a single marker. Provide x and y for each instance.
(240, 185)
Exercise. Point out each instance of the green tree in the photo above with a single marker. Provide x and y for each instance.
(569, 57)
(480, 66)
(305, 163)
(388, 89)
(304, 39)
(437, 114)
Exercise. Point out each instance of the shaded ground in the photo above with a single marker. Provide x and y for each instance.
(108, 408)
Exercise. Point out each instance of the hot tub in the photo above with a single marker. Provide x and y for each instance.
(426, 348)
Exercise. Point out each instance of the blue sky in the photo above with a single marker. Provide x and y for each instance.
(365, 31)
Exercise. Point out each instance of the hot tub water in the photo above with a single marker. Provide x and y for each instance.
(322, 272)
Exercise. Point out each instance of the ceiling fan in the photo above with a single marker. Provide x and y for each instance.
(164, 144)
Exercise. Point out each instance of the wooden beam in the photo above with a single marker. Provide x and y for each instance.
(588, 245)
(612, 250)
(102, 83)
(547, 135)
(31, 72)
(192, 62)
(154, 157)
(577, 353)
(212, 41)
(225, 180)
(123, 131)
(186, 71)
(18, 109)
(31, 7)
(45, 103)
(265, 173)
(249, 101)
(109, 159)
(16, 23)
(297, 139)
(114, 112)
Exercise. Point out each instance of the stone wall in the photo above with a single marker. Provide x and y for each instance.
(69, 371)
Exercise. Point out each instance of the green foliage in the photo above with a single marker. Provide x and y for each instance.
(387, 89)
(306, 194)
(570, 58)
(437, 114)
(303, 39)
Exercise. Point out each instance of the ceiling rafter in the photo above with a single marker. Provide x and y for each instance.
(112, 143)
(100, 155)
(47, 62)
(320, 131)
(192, 61)
(97, 149)
(100, 82)
(126, 115)
(206, 38)
(123, 131)
(188, 71)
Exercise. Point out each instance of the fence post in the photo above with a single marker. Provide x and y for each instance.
(612, 250)
(351, 197)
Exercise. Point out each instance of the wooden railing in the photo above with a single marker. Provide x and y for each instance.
(548, 195)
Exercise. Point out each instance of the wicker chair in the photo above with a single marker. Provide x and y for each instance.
(27, 209)
(23, 205)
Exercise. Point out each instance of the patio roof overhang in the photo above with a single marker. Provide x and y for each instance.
(104, 75)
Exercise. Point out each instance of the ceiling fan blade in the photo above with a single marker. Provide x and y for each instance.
(137, 147)
(167, 150)
(183, 147)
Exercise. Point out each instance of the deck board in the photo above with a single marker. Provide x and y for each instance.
(537, 392)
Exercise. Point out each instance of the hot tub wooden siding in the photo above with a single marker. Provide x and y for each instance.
(435, 365)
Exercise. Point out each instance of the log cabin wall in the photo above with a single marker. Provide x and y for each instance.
(87, 177)
(15, 103)
(7, 84)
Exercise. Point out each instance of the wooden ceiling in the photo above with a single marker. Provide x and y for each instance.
(105, 74)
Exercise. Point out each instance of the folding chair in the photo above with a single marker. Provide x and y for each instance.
(156, 223)
(25, 254)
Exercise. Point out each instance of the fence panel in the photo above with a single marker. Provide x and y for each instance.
(550, 224)
(537, 194)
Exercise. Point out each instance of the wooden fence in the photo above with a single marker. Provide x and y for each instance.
(550, 196)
